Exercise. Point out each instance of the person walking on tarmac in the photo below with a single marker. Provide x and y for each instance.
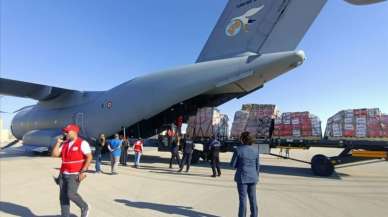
(188, 147)
(214, 148)
(175, 152)
(124, 151)
(246, 162)
(115, 149)
(100, 143)
(76, 157)
(138, 149)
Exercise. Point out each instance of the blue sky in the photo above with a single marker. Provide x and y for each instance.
(95, 45)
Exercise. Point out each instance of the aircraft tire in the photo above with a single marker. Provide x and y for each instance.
(321, 165)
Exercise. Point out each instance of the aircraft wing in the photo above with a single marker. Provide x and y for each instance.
(30, 90)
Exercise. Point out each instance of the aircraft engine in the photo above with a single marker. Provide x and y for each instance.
(41, 138)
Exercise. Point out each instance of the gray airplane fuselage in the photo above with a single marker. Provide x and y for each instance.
(146, 96)
(252, 43)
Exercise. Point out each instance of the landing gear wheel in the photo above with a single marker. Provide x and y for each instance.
(321, 165)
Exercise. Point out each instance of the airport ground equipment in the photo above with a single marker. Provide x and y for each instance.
(354, 150)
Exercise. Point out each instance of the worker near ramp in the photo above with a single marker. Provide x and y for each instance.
(138, 149)
(246, 162)
(99, 145)
(175, 151)
(188, 147)
(115, 149)
(214, 148)
(124, 151)
(76, 157)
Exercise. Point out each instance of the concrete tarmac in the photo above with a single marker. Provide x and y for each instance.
(286, 189)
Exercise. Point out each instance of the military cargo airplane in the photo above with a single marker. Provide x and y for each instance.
(253, 42)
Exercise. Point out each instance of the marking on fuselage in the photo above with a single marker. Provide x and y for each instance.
(109, 104)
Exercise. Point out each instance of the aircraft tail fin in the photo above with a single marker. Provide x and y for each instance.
(260, 26)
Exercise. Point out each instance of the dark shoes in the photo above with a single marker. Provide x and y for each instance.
(85, 212)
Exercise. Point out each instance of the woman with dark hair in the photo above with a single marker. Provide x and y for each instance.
(246, 162)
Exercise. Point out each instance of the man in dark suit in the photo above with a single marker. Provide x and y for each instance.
(246, 162)
(214, 148)
(188, 147)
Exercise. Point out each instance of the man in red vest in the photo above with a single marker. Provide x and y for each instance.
(76, 157)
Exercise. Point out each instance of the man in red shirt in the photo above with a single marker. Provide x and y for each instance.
(76, 157)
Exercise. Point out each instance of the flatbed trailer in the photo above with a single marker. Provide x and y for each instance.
(354, 150)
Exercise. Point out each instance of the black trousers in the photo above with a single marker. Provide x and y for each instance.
(216, 165)
(124, 156)
(186, 160)
(68, 185)
(175, 156)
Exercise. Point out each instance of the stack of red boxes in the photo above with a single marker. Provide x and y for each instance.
(297, 124)
(208, 122)
(239, 123)
(358, 123)
(254, 118)
(374, 125)
(384, 125)
(260, 119)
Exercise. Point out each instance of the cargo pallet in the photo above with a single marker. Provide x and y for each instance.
(354, 150)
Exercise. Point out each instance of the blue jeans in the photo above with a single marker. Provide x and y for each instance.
(98, 162)
(137, 158)
(244, 190)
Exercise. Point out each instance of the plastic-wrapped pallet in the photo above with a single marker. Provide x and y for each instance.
(191, 126)
(259, 119)
(384, 125)
(239, 123)
(357, 123)
(208, 122)
(264, 127)
(297, 125)
(223, 127)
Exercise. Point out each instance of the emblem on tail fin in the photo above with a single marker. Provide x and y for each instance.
(236, 24)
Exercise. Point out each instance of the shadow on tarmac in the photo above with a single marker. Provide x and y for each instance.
(18, 210)
(167, 209)
(296, 171)
(178, 174)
